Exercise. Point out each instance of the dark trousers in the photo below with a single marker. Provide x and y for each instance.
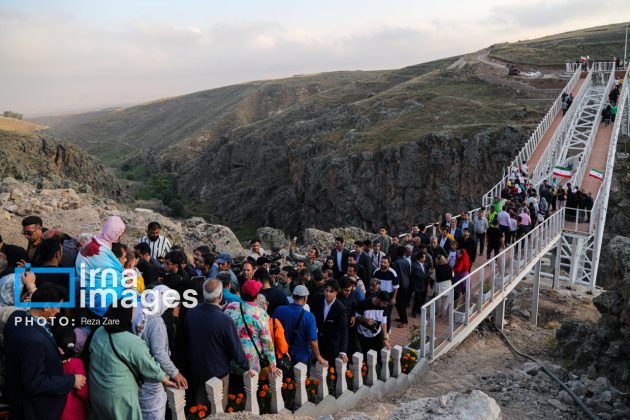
(481, 240)
(506, 233)
(402, 300)
(388, 314)
(496, 250)
(371, 343)
(418, 300)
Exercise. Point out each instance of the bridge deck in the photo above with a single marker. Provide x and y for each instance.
(544, 142)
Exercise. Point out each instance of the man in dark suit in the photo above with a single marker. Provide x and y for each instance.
(362, 258)
(420, 280)
(37, 385)
(340, 255)
(332, 323)
(402, 266)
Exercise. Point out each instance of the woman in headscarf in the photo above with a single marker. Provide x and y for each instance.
(152, 330)
(102, 270)
(119, 363)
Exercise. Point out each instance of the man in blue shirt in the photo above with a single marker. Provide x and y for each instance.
(302, 336)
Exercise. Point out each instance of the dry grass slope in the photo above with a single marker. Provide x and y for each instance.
(11, 124)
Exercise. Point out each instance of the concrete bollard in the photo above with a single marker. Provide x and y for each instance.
(357, 364)
(214, 390)
(275, 385)
(299, 375)
(176, 399)
(396, 356)
(372, 360)
(251, 391)
(385, 352)
(321, 373)
(341, 386)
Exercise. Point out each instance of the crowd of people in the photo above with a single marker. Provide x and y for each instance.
(256, 315)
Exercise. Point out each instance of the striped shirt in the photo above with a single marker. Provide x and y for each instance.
(368, 310)
(389, 279)
(159, 248)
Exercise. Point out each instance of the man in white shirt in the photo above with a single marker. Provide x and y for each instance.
(159, 245)
(256, 250)
(332, 323)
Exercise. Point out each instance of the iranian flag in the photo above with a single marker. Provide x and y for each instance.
(561, 171)
(596, 174)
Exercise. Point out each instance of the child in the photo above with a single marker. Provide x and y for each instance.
(77, 400)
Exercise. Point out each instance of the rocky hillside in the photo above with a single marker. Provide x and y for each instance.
(354, 148)
(604, 349)
(47, 162)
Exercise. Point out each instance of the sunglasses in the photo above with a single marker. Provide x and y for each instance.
(29, 232)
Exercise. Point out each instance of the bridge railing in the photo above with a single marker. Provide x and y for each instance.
(480, 294)
(527, 150)
(545, 165)
(582, 166)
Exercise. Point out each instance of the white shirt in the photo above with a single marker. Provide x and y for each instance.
(339, 260)
(327, 308)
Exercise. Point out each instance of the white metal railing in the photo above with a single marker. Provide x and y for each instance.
(529, 147)
(546, 163)
(504, 270)
(582, 166)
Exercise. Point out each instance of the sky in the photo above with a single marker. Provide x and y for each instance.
(77, 55)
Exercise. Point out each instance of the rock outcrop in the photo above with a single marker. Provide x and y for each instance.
(474, 405)
(49, 163)
(271, 238)
(604, 349)
(323, 241)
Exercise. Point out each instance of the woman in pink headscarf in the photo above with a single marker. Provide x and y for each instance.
(99, 270)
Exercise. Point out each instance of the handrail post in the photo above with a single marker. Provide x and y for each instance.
(321, 372)
(176, 399)
(251, 390)
(467, 301)
(299, 375)
(432, 331)
(372, 360)
(214, 390)
(451, 313)
(275, 385)
(423, 331)
(340, 369)
(385, 353)
(357, 365)
(396, 356)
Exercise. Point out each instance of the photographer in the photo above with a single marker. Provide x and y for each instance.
(372, 323)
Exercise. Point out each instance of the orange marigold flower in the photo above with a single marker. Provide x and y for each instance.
(315, 382)
(290, 387)
(308, 381)
(332, 377)
(331, 370)
(239, 401)
(349, 374)
(413, 358)
(202, 414)
(231, 397)
(205, 408)
(262, 394)
(230, 410)
(239, 396)
(284, 386)
(288, 380)
(265, 387)
(313, 392)
(194, 409)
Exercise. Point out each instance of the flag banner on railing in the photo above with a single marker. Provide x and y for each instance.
(596, 174)
(562, 171)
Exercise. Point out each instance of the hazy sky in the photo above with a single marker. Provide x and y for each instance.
(63, 55)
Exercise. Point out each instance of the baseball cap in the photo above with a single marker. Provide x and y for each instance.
(223, 258)
(300, 290)
(251, 287)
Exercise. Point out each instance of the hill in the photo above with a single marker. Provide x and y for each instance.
(361, 148)
(12, 124)
(600, 43)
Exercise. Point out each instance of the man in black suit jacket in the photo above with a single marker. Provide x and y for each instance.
(402, 266)
(37, 387)
(420, 280)
(362, 258)
(332, 323)
(340, 255)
